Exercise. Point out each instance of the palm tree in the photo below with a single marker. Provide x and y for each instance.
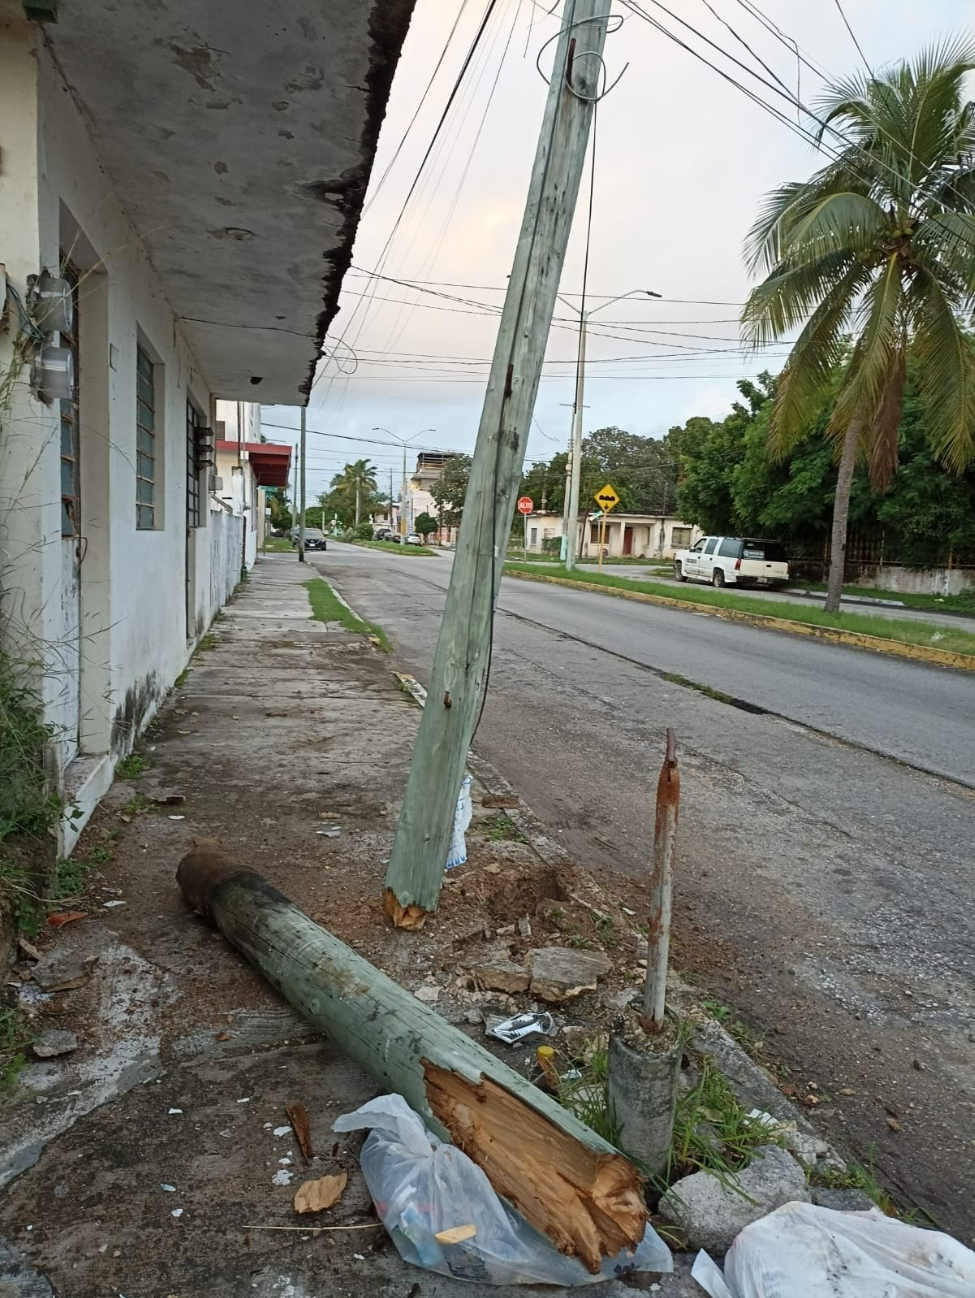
(872, 255)
(356, 478)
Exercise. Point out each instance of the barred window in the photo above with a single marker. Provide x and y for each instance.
(145, 450)
(71, 424)
(192, 468)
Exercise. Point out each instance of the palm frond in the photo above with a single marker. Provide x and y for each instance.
(949, 236)
(882, 314)
(946, 371)
(884, 432)
(785, 299)
(836, 223)
(816, 355)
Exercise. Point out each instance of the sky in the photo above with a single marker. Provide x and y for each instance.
(682, 159)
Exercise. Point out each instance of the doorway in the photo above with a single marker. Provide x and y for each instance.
(68, 666)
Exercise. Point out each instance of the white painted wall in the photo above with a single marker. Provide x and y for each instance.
(145, 596)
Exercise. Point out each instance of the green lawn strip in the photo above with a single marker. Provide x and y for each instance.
(883, 628)
(394, 547)
(327, 607)
(963, 603)
(277, 545)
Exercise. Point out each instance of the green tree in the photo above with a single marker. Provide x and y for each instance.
(450, 490)
(424, 524)
(879, 245)
(280, 508)
(358, 484)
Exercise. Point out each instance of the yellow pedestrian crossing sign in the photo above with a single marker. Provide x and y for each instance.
(607, 498)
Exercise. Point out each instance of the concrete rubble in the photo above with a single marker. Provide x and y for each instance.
(62, 970)
(560, 973)
(54, 1042)
(710, 1212)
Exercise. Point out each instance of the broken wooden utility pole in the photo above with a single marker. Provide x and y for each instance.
(565, 1180)
(643, 1066)
(662, 889)
(460, 666)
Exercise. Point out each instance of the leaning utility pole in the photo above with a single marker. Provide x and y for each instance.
(301, 492)
(575, 455)
(460, 665)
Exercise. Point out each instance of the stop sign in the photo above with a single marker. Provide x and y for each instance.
(525, 505)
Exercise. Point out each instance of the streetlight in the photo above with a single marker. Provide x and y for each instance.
(571, 508)
(404, 442)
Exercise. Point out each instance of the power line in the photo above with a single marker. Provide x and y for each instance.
(416, 111)
(853, 38)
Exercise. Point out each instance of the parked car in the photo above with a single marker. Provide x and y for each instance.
(315, 539)
(414, 538)
(733, 561)
(382, 534)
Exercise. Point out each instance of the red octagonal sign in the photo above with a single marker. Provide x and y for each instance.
(525, 505)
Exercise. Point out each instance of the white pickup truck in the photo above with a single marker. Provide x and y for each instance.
(733, 561)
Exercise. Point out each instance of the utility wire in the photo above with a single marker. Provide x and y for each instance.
(853, 38)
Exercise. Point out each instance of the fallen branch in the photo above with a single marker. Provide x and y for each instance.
(566, 1181)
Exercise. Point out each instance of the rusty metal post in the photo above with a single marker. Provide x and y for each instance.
(661, 890)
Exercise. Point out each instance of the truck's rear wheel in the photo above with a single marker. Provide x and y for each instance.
(717, 577)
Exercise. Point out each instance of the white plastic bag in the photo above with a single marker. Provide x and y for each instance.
(422, 1187)
(457, 854)
(803, 1251)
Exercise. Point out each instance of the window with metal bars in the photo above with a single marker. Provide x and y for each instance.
(71, 424)
(193, 516)
(145, 448)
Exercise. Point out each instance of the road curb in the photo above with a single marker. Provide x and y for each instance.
(855, 639)
(753, 1086)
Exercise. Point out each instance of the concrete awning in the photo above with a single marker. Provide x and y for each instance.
(271, 461)
(239, 138)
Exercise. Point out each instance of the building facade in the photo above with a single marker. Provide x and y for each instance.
(636, 536)
(156, 256)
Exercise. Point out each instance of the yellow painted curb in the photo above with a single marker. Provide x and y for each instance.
(899, 648)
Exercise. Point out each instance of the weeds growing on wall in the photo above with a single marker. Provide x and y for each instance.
(29, 807)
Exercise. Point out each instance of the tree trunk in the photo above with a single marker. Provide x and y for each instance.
(357, 487)
(841, 514)
(565, 1180)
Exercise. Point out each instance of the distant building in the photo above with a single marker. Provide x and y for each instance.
(419, 500)
(638, 536)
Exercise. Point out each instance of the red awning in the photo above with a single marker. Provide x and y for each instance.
(270, 461)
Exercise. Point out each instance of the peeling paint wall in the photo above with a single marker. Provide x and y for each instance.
(139, 599)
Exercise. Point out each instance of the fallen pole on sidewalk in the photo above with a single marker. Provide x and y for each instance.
(569, 1183)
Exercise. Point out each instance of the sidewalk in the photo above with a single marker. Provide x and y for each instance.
(140, 1164)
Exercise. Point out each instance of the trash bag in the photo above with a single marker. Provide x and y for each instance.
(422, 1187)
(801, 1249)
(457, 854)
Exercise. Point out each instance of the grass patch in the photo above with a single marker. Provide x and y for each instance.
(712, 1131)
(15, 1037)
(963, 603)
(883, 628)
(129, 768)
(207, 642)
(277, 545)
(393, 547)
(504, 830)
(137, 804)
(327, 607)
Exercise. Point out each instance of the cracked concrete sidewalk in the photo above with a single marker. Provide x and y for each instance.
(150, 1161)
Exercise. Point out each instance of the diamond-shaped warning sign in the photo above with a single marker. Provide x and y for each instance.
(606, 498)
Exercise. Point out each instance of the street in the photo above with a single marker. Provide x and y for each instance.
(823, 889)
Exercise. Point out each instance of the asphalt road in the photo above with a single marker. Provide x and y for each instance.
(824, 890)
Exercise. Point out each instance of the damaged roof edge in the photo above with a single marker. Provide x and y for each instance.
(388, 25)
